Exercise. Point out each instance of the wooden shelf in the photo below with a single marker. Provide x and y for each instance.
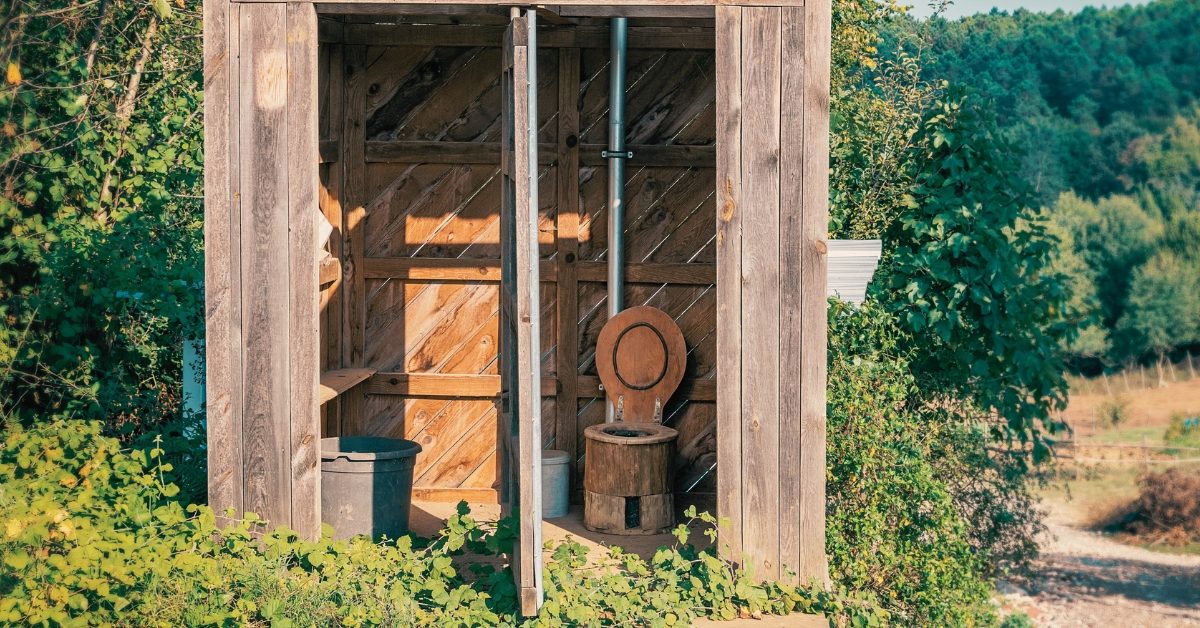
(334, 383)
(328, 270)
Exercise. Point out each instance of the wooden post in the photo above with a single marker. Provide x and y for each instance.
(772, 222)
(567, 242)
(261, 290)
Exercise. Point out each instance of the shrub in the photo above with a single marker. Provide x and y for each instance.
(92, 535)
(1184, 430)
(1113, 411)
(901, 518)
(1167, 508)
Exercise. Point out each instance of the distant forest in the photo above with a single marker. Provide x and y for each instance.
(1104, 106)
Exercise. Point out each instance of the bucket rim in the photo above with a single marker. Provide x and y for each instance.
(343, 448)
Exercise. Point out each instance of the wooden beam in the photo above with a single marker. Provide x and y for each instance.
(566, 242)
(222, 294)
(330, 151)
(588, 387)
(441, 269)
(814, 332)
(554, 36)
(334, 383)
(729, 280)
(422, 152)
(329, 269)
(353, 164)
(304, 325)
(266, 346)
(455, 495)
(390, 6)
(466, 386)
(698, 274)
(792, 346)
(669, 155)
(643, 11)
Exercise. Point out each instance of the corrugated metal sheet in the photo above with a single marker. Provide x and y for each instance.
(851, 265)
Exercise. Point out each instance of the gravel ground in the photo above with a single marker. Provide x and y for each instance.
(1086, 579)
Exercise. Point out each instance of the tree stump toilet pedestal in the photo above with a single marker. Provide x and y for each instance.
(627, 476)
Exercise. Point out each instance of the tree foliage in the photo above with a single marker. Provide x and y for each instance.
(99, 207)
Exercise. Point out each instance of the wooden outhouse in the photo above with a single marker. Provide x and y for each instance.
(457, 156)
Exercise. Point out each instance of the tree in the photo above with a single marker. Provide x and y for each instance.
(968, 272)
(1163, 308)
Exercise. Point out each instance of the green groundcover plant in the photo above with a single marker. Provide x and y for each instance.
(92, 535)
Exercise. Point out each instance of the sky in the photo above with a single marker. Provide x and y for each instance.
(970, 7)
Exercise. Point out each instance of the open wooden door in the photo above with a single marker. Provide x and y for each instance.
(520, 353)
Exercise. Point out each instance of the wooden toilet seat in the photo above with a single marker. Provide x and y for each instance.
(640, 357)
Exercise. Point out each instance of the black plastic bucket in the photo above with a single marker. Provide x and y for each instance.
(366, 485)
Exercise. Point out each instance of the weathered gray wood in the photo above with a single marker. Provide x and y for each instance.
(266, 371)
(528, 353)
(729, 284)
(519, 307)
(336, 6)
(354, 214)
(760, 287)
(567, 245)
(473, 35)
(333, 299)
(304, 325)
(221, 299)
(791, 288)
(815, 228)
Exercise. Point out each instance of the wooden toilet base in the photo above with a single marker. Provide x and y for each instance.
(613, 514)
(627, 478)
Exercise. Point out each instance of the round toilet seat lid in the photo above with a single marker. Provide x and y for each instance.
(640, 357)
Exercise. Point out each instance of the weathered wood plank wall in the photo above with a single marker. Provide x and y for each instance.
(430, 197)
(260, 267)
(773, 97)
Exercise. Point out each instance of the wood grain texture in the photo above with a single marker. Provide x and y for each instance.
(813, 564)
(760, 286)
(353, 211)
(567, 252)
(629, 465)
(334, 383)
(303, 180)
(332, 298)
(791, 288)
(729, 283)
(266, 395)
(221, 296)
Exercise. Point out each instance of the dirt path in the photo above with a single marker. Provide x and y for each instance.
(1086, 579)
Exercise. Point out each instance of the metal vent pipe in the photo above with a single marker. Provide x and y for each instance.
(616, 155)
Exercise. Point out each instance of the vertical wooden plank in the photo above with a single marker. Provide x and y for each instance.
(332, 207)
(814, 333)
(729, 284)
(354, 167)
(264, 264)
(761, 38)
(791, 285)
(303, 185)
(221, 302)
(527, 311)
(567, 224)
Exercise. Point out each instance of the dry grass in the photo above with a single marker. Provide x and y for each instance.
(1144, 408)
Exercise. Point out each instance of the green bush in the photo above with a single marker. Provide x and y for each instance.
(1113, 411)
(93, 535)
(921, 515)
(1184, 430)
